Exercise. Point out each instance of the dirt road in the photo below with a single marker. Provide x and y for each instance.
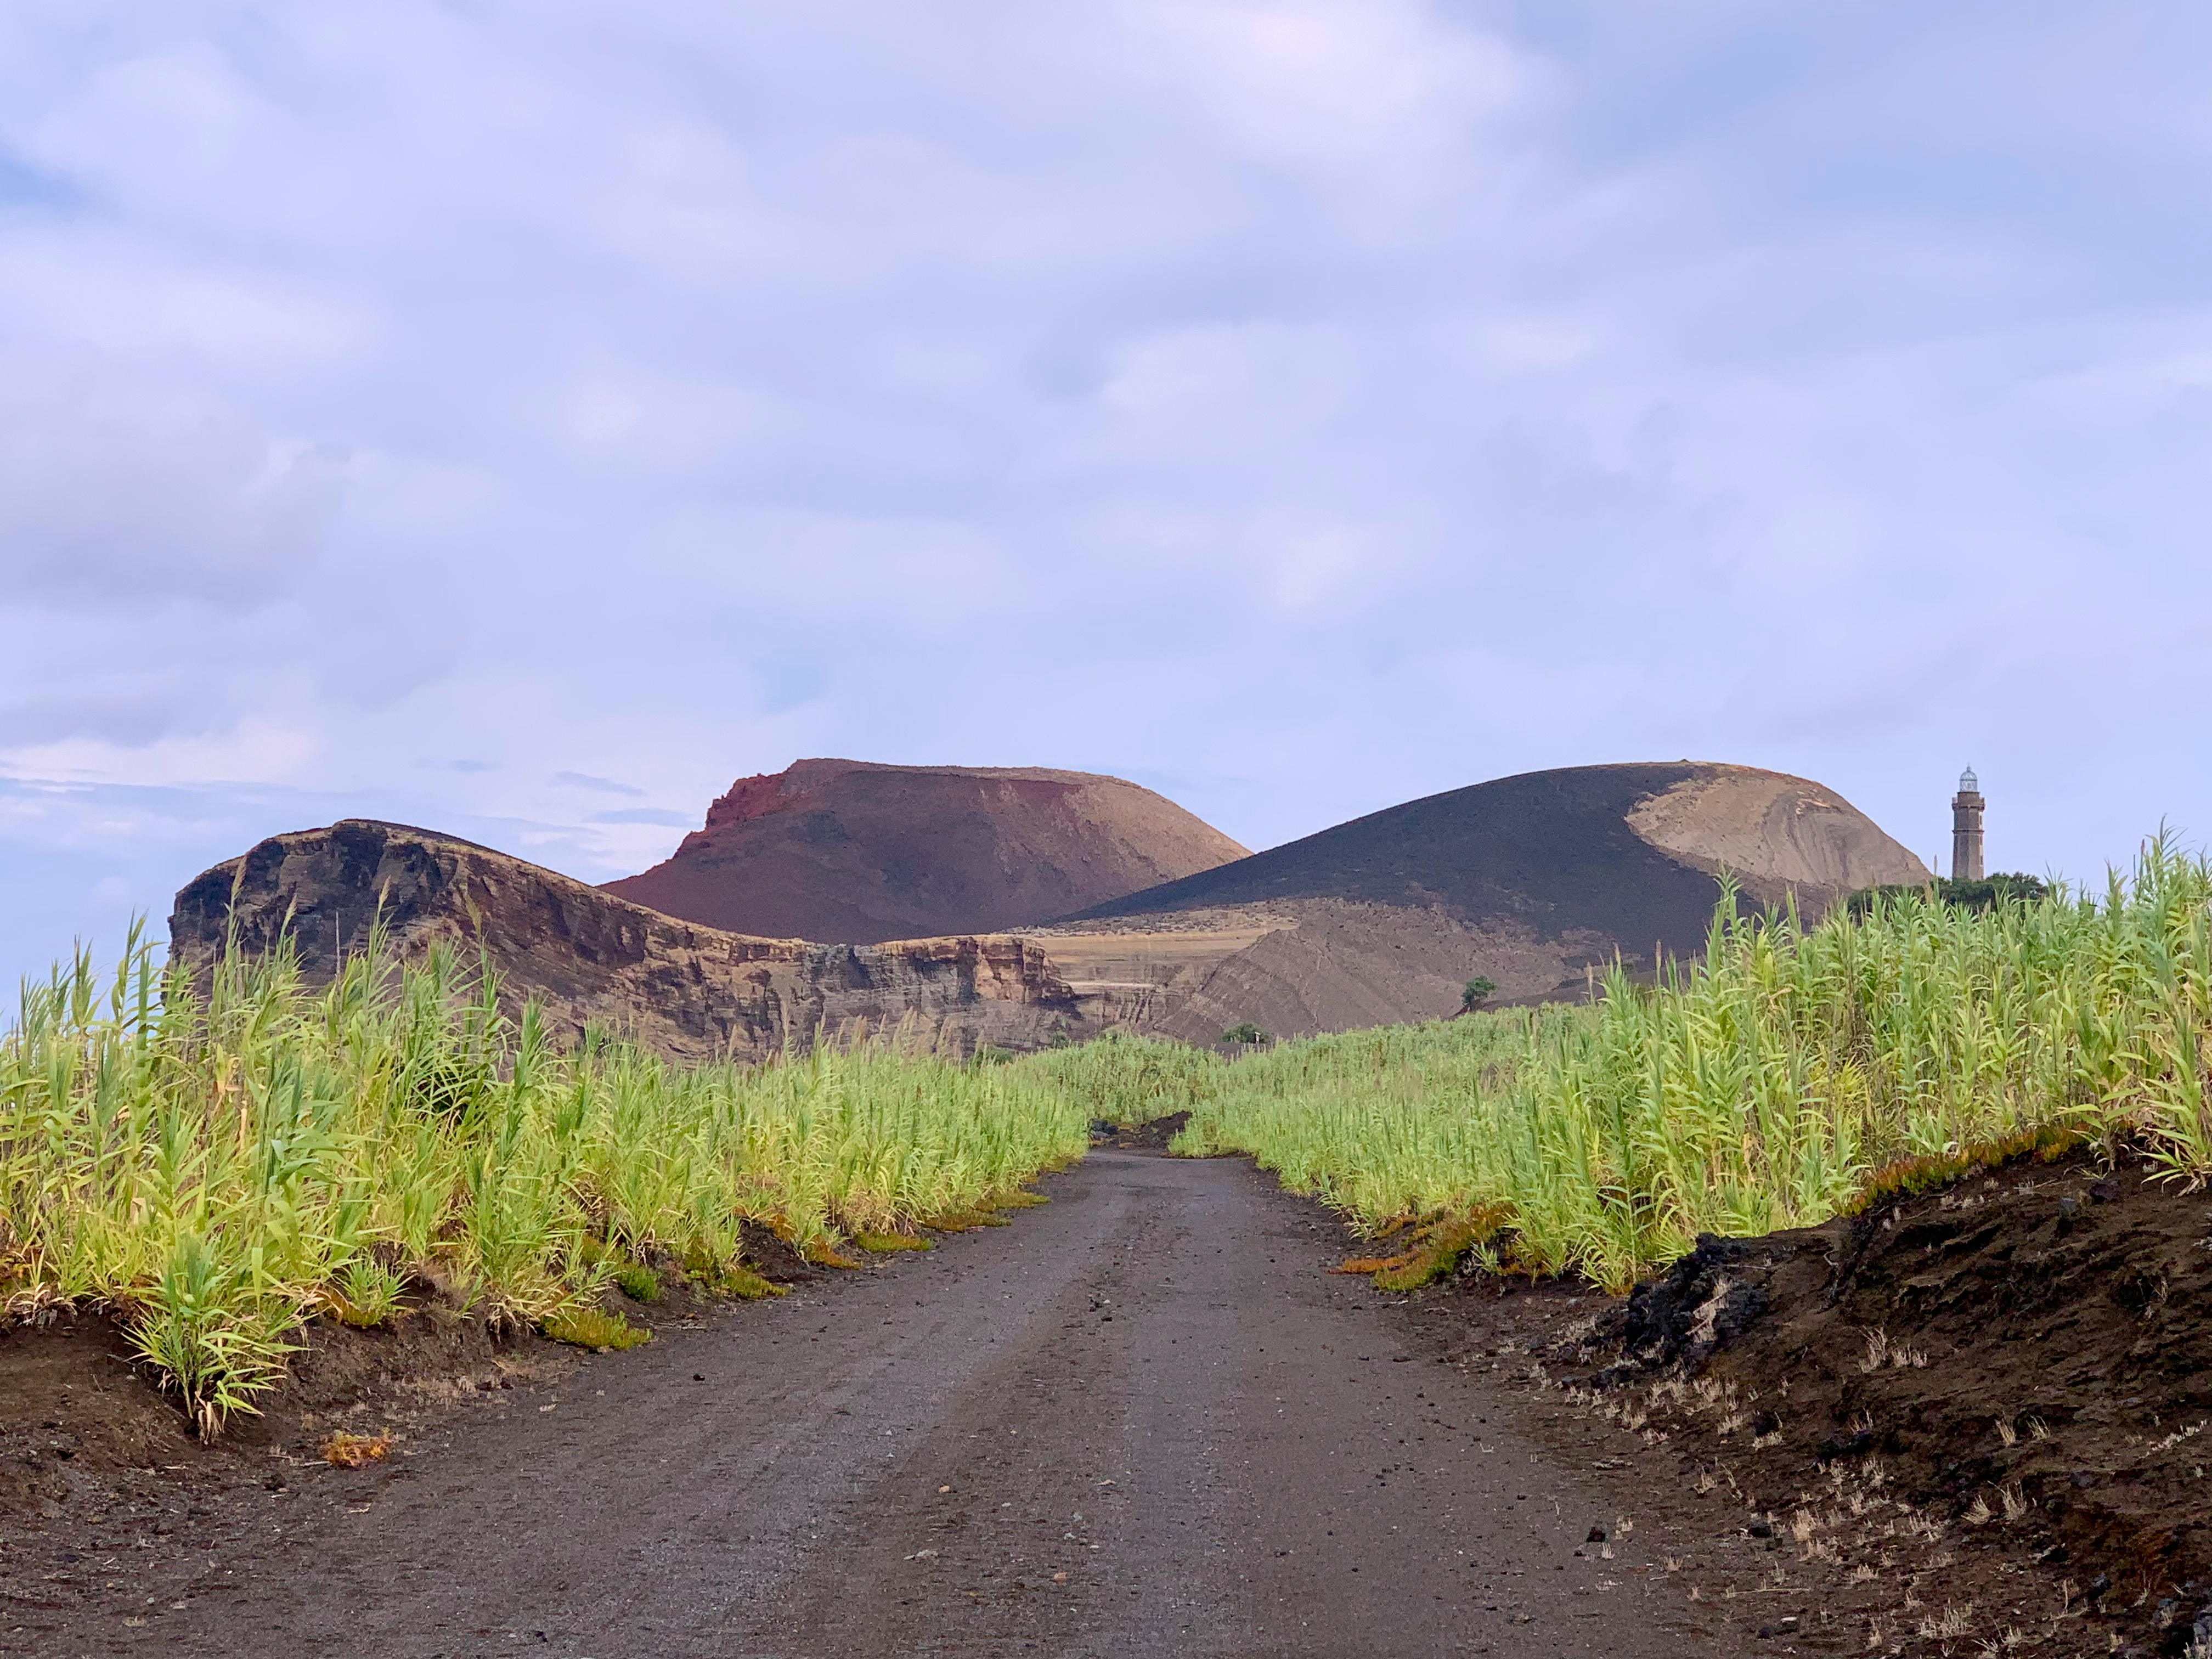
(1140, 1421)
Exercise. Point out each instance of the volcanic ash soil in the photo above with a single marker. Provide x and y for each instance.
(1968, 1418)
(88, 1439)
(1970, 1421)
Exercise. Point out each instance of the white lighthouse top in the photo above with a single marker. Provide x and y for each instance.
(1968, 783)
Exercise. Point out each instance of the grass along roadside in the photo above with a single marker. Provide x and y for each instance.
(218, 1165)
(1789, 1073)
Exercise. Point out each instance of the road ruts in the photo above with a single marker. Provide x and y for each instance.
(1140, 1421)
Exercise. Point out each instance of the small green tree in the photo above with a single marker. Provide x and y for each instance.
(1476, 992)
(1244, 1033)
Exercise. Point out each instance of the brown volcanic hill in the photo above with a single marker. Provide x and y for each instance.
(860, 853)
(588, 957)
(1532, 882)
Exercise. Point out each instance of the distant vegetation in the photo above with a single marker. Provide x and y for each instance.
(218, 1170)
(1982, 895)
(1475, 993)
(1245, 1035)
(1779, 1081)
(1128, 1080)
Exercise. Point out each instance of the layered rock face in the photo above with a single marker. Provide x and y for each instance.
(1536, 883)
(858, 853)
(591, 958)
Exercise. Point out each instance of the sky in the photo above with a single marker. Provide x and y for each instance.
(522, 420)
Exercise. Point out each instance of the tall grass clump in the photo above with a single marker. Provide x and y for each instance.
(1770, 1085)
(1128, 1081)
(217, 1163)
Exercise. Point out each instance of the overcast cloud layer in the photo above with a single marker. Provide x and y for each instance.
(523, 419)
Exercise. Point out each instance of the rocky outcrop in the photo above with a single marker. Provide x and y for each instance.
(1537, 883)
(847, 850)
(590, 958)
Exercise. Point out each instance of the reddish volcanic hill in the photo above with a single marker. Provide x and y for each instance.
(857, 853)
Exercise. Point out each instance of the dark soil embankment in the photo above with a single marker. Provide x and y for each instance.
(86, 1434)
(1970, 1416)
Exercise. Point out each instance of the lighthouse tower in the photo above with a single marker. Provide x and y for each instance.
(1967, 828)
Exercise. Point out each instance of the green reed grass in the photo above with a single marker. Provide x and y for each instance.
(1128, 1080)
(1765, 1086)
(218, 1164)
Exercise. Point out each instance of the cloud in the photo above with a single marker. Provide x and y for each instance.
(133, 710)
(256, 751)
(598, 785)
(1383, 103)
(117, 497)
(485, 415)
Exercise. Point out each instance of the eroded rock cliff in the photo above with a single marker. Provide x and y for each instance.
(589, 957)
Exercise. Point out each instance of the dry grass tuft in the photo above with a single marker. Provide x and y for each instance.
(960, 1221)
(351, 1451)
(594, 1329)
(738, 1280)
(1906, 1175)
(1373, 1264)
(1433, 1248)
(725, 1277)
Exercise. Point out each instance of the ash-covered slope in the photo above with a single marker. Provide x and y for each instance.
(860, 853)
(590, 958)
(1626, 850)
(1530, 881)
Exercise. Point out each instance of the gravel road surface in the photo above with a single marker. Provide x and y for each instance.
(1141, 1420)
